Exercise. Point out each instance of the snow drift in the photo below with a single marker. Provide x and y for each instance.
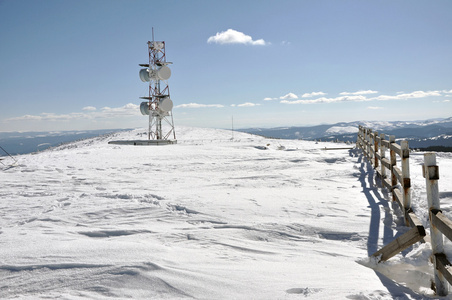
(208, 218)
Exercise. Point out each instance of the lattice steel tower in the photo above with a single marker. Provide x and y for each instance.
(159, 105)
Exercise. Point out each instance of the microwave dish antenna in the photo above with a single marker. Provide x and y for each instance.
(158, 105)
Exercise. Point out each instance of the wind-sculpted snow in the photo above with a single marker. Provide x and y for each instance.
(207, 218)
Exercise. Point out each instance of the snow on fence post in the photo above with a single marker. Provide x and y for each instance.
(431, 174)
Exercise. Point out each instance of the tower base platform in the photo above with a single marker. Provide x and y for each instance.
(145, 142)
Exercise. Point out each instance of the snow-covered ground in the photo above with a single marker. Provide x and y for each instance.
(208, 218)
(342, 130)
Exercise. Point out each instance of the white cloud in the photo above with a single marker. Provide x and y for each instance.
(292, 96)
(25, 118)
(232, 36)
(198, 105)
(446, 101)
(129, 109)
(288, 96)
(47, 117)
(374, 107)
(248, 104)
(328, 100)
(62, 117)
(89, 108)
(309, 95)
(447, 92)
(360, 96)
(359, 92)
(412, 95)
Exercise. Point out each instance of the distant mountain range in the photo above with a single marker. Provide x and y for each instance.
(428, 134)
(420, 134)
(28, 142)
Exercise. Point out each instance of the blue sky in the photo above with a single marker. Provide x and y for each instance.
(73, 65)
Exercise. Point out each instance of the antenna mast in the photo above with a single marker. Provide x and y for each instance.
(232, 128)
(159, 104)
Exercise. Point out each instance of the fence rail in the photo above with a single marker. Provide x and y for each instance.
(397, 180)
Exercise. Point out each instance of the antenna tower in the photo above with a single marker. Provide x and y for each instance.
(159, 104)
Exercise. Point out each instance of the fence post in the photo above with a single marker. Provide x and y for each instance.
(371, 146)
(406, 175)
(364, 141)
(359, 138)
(431, 174)
(376, 148)
(382, 155)
(393, 158)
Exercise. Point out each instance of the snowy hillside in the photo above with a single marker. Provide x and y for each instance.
(207, 218)
(421, 134)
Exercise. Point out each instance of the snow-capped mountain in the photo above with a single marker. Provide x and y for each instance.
(421, 134)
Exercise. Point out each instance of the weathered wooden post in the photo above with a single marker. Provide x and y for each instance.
(366, 138)
(431, 174)
(368, 131)
(358, 138)
(382, 155)
(376, 149)
(363, 132)
(406, 175)
(363, 136)
(364, 141)
(371, 146)
(393, 158)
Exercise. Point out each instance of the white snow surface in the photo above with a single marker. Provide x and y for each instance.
(342, 129)
(207, 218)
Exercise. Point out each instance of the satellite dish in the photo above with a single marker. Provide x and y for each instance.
(166, 104)
(144, 108)
(163, 73)
(144, 75)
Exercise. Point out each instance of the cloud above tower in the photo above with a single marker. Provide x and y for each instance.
(232, 36)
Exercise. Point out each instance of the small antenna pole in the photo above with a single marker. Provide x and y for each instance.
(232, 129)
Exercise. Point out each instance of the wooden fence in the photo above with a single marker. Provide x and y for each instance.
(397, 180)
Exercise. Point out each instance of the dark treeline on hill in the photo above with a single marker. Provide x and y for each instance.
(436, 149)
(420, 134)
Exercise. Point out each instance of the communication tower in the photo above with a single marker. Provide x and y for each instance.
(159, 104)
